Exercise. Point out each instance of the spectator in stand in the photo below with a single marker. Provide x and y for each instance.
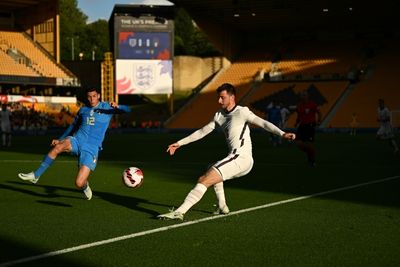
(260, 75)
(308, 117)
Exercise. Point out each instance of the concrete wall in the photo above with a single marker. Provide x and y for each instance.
(190, 71)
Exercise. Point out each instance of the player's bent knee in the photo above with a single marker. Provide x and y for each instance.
(210, 178)
(201, 179)
(59, 148)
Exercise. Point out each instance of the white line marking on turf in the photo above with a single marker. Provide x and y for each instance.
(166, 228)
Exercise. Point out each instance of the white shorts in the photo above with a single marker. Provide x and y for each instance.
(234, 166)
(385, 131)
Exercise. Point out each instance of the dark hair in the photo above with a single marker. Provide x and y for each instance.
(91, 89)
(229, 88)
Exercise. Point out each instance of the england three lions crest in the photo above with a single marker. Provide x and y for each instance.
(145, 76)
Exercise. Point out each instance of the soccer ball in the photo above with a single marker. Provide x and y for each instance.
(132, 177)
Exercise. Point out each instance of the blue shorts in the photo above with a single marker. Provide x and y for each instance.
(87, 154)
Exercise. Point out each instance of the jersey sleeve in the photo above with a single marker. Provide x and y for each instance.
(106, 108)
(200, 133)
(123, 109)
(266, 125)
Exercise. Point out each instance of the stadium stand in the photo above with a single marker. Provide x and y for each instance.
(301, 63)
(11, 66)
(36, 87)
(383, 83)
(34, 117)
(263, 92)
(331, 91)
(38, 61)
(241, 74)
(321, 58)
(325, 94)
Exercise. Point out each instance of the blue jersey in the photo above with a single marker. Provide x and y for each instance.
(274, 115)
(91, 124)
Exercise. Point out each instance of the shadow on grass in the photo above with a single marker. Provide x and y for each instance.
(55, 203)
(12, 251)
(52, 192)
(342, 161)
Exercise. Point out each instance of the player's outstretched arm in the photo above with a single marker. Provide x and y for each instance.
(172, 148)
(200, 133)
(120, 108)
(72, 127)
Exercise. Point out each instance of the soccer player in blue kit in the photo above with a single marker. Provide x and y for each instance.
(83, 138)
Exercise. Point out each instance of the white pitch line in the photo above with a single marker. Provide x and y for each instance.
(166, 228)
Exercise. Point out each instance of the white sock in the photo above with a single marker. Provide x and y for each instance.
(219, 192)
(192, 198)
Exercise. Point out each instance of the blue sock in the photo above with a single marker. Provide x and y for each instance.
(47, 161)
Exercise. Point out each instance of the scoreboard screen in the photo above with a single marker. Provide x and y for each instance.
(144, 45)
(143, 51)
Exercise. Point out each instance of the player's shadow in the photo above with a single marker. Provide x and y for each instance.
(129, 202)
(49, 191)
(52, 192)
(55, 203)
(12, 250)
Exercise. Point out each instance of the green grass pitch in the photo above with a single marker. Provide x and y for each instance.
(357, 226)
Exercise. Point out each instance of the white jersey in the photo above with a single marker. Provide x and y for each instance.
(236, 129)
(385, 130)
(384, 116)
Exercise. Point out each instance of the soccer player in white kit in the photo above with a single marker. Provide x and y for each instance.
(233, 120)
(385, 130)
(5, 125)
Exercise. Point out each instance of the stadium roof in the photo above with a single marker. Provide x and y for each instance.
(14, 5)
(291, 15)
